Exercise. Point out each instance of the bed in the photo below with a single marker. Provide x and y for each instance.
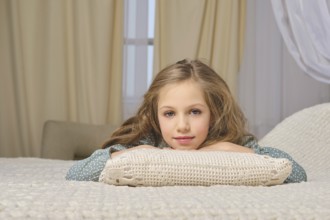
(35, 188)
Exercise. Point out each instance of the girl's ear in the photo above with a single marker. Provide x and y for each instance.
(212, 122)
(212, 118)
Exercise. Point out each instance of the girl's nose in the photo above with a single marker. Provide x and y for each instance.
(183, 124)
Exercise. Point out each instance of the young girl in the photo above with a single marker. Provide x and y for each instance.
(187, 107)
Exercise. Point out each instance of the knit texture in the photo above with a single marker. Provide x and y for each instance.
(149, 167)
(306, 136)
(33, 188)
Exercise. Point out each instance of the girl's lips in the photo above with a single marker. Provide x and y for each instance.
(184, 140)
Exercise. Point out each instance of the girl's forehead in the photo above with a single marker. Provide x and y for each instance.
(183, 85)
(179, 93)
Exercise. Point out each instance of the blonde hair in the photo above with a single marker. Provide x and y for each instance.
(227, 120)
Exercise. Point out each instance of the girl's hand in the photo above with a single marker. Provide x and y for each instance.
(227, 146)
(115, 154)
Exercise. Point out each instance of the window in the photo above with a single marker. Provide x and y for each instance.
(139, 24)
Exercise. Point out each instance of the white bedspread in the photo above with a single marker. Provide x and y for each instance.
(32, 188)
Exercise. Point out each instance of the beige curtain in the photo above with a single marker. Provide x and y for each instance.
(210, 30)
(59, 59)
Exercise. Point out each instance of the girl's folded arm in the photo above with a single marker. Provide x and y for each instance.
(298, 173)
(89, 169)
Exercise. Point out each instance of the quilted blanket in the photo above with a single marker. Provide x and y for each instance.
(34, 188)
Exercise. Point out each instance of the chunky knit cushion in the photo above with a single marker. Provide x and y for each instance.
(153, 167)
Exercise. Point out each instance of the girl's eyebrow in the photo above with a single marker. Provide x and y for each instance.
(190, 106)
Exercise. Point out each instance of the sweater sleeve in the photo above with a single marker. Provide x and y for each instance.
(298, 173)
(89, 169)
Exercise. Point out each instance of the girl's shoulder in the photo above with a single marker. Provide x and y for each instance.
(148, 140)
(249, 141)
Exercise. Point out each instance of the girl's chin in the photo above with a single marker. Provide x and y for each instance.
(183, 148)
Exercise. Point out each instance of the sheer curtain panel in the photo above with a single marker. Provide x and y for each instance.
(305, 28)
(271, 84)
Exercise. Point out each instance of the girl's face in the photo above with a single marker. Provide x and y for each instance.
(183, 115)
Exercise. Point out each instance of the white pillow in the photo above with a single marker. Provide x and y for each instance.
(155, 167)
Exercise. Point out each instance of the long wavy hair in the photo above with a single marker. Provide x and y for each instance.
(228, 123)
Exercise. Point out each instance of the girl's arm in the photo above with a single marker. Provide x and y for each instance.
(227, 146)
(89, 169)
(298, 173)
(117, 153)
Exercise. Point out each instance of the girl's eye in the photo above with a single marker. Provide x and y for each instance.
(169, 114)
(196, 112)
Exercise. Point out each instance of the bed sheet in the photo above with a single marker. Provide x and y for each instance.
(33, 188)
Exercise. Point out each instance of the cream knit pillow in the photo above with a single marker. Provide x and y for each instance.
(155, 167)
